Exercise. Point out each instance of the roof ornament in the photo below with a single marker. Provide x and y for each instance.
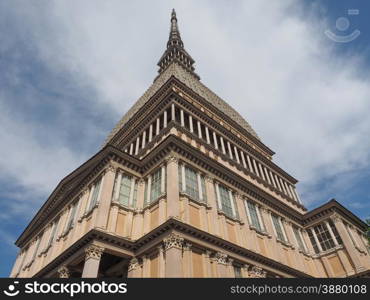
(175, 51)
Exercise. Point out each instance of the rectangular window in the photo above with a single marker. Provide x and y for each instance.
(323, 235)
(36, 247)
(194, 188)
(298, 238)
(191, 183)
(313, 241)
(225, 201)
(278, 227)
(134, 200)
(336, 234)
(203, 185)
(71, 217)
(125, 190)
(155, 188)
(252, 209)
(95, 194)
(53, 232)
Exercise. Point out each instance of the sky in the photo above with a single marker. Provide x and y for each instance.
(69, 70)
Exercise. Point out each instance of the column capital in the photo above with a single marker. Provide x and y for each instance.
(246, 267)
(209, 178)
(335, 217)
(230, 261)
(160, 248)
(238, 196)
(63, 272)
(111, 168)
(264, 209)
(173, 240)
(133, 264)
(221, 258)
(187, 246)
(141, 181)
(172, 158)
(93, 251)
(257, 272)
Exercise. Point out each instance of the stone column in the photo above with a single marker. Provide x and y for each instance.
(245, 271)
(162, 262)
(173, 246)
(187, 260)
(93, 255)
(173, 195)
(230, 268)
(106, 197)
(331, 233)
(134, 268)
(273, 246)
(351, 250)
(221, 260)
(63, 272)
(212, 210)
(208, 267)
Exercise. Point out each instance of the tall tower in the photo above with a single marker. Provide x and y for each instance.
(184, 187)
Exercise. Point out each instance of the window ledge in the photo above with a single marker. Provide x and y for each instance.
(65, 233)
(28, 265)
(151, 204)
(220, 212)
(331, 250)
(304, 253)
(88, 213)
(360, 250)
(120, 205)
(198, 201)
(261, 232)
(285, 243)
(43, 252)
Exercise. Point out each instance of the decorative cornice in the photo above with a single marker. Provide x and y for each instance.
(137, 248)
(93, 251)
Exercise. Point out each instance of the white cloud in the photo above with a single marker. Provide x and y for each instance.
(268, 59)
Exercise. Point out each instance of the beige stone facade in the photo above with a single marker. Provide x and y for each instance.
(183, 188)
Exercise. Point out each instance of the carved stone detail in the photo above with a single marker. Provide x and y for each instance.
(257, 272)
(221, 258)
(335, 217)
(133, 264)
(172, 158)
(209, 178)
(173, 240)
(63, 272)
(111, 168)
(187, 246)
(93, 251)
(246, 268)
(230, 261)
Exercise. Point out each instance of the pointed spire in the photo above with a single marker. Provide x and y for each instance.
(175, 51)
